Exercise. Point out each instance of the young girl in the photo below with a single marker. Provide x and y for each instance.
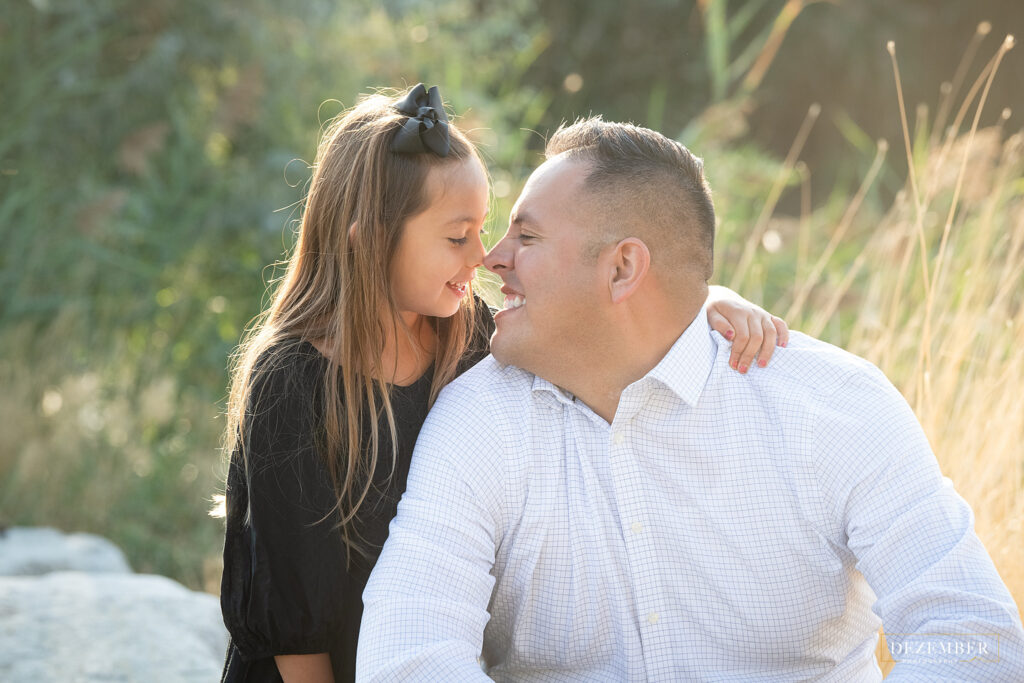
(373, 317)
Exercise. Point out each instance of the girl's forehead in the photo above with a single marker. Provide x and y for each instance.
(469, 169)
(460, 181)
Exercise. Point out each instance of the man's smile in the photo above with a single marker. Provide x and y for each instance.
(513, 299)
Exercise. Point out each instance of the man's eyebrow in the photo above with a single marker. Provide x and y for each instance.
(520, 218)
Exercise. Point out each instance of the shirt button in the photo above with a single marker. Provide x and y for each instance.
(637, 527)
(618, 437)
(652, 618)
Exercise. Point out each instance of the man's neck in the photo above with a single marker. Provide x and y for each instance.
(633, 348)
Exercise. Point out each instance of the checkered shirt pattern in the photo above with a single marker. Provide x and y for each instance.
(723, 527)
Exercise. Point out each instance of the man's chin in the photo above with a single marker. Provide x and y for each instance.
(506, 352)
(501, 354)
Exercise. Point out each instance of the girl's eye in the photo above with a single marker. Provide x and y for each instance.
(458, 241)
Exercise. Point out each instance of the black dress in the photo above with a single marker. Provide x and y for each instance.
(285, 587)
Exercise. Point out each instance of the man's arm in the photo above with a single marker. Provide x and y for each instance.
(425, 606)
(939, 595)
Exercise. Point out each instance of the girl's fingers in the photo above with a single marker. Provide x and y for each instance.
(754, 334)
(768, 342)
(783, 330)
(720, 324)
(747, 337)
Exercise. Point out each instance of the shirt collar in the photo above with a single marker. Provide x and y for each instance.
(684, 370)
(541, 385)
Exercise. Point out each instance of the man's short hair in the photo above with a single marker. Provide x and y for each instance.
(647, 186)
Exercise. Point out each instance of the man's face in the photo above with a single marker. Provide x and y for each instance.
(552, 289)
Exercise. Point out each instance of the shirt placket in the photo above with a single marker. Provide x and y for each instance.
(635, 522)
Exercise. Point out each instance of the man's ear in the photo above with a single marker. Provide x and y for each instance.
(630, 262)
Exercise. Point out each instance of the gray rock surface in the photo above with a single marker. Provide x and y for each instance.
(104, 626)
(29, 551)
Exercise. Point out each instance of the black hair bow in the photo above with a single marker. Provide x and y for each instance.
(427, 126)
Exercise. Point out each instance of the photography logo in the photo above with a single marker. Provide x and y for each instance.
(942, 648)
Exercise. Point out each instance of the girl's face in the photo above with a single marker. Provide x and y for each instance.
(440, 248)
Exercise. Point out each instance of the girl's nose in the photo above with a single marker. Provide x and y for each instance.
(477, 254)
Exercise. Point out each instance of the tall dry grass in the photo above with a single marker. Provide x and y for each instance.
(933, 294)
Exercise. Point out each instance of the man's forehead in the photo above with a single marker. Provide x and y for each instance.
(552, 206)
(555, 180)
(562, 166)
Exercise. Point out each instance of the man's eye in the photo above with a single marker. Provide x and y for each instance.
(523, 236)
(458, 241)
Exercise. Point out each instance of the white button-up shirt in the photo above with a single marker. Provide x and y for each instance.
(724, 527)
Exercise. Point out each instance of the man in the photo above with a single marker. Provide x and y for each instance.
(604, 500)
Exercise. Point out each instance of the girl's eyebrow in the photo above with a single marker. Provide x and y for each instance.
(464, 219)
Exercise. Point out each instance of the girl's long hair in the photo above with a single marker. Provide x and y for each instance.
(337, 289)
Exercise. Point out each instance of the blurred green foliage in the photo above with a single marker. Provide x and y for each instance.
(153, 156)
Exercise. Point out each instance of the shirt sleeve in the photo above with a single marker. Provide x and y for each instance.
(938, 592)
(294, 600)
(425, 606)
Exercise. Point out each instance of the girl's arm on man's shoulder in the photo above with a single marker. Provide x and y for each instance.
(753, 331)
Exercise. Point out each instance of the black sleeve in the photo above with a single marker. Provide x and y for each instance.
(292, 601)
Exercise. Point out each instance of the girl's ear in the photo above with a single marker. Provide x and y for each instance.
(352, 232)
(630, 262)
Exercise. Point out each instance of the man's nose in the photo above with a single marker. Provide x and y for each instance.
(499, 257)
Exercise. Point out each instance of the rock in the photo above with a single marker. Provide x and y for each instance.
(98, 622)
(75, 626)
(25, 551)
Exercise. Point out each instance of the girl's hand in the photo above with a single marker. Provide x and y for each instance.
(752, 330)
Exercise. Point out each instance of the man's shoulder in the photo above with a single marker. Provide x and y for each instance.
(491, 377)
(475, 419)
(489, 388)
(814, 366)
(821, 391)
